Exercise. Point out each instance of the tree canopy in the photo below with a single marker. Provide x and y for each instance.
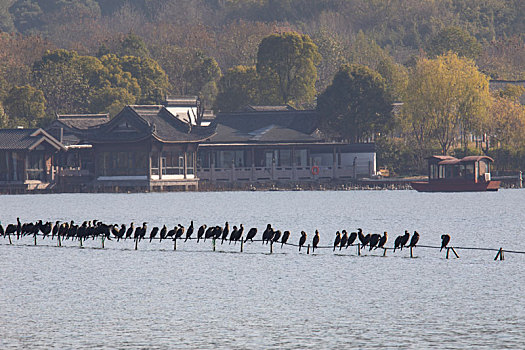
(356, 105)
(287, 63)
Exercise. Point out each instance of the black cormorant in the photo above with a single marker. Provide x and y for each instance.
(383, 240)
(200, 232)
(374, 240)
(302, 240)
(225, 232)
(189, 231)
(351, 239)
(286, 235)
(315, 241)
(414, 240)
(445, 239)
(153, 233)
(337, 239)
(344, 239)
(251, 234)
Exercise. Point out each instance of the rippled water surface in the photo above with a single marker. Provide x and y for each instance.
(156, 298)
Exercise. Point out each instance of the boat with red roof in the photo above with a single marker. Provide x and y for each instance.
(449, 174)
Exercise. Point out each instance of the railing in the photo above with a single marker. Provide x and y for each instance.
(286, 173)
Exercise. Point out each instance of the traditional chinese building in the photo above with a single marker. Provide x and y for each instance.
(26, 159)
(279, 143)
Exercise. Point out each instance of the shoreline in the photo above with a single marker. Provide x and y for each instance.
(397, 184)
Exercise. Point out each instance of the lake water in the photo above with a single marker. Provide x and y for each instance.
(156, 298)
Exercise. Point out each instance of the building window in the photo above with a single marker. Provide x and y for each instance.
(122, 163)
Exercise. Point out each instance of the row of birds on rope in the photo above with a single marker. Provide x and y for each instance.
(95, 228)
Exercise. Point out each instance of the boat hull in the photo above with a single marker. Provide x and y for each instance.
(425, 186)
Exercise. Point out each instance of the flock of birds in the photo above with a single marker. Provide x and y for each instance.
(93, 229)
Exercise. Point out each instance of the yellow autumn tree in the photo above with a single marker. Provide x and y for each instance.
(447, 99)
(505, 124)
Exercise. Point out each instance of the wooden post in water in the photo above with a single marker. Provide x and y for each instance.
(103, 239)
(242, 244)
(271, 247)
(81, 242)
(10, 242)
(359, 249)
(59, 241)
(213, 242)
(308, 249)
(500, 255)
(175, 244)
(411, 252)
(34, 238)
(136, 244)
(454, 251)
(384, 253)
(448, 251)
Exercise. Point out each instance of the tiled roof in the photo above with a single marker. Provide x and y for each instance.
(82, 121)
(150, 120)
(251, 108)
(19, 139)
(266, 126)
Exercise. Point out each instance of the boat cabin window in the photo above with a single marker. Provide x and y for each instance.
(469, 170)
(434, 171)
(483, 167)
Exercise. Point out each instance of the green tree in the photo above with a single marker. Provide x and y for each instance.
(447, 99)
(25, 103)
(356, 105)
(67, 80)
(151, 77)
(111, 100)
(133, 45)
(237, 87)
(287, 63)
(454, 39)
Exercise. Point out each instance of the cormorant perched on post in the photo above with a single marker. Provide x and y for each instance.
(383, 240)
(225, 232)
(45, 228)
(115, 230)
(54, 232)
(200, 232)
(344, 239)
(2, 232)
(209, 233)
(286, 235)
(163, 233)
(397, 242)
(404, 240)
(337, 239)
(18, 228)
(189, 231)
(233, 235)
(121, 232)
(276, 235)
(217, 232)
(11, 228)
(240, 231)
(445, 239)
(315, 241)
(180, 232)
(130, 230)
(153, 233)
(374, 240)
(366, 240)
(361, 236)
(250, 234)
(414, 240)
(351, 239)
(172, 232)
(267, 234)
(302, 240)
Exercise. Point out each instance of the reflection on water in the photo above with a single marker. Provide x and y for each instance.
(195, 298)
